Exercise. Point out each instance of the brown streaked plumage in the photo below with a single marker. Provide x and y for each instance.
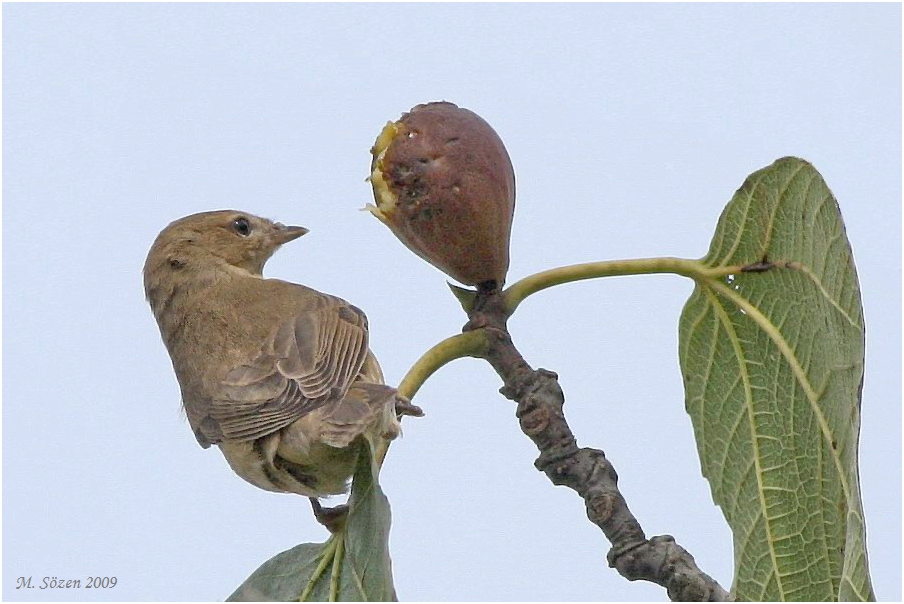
(278, 375)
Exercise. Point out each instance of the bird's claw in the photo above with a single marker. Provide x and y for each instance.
(332, 518)
(403, 406)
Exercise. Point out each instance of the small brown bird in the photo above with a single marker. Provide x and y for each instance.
(278, 375)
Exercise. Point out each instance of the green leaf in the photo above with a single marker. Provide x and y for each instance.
(772, 357)
(466, 297)
(353, 565)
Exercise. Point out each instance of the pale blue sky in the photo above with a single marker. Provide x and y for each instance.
(630, 126)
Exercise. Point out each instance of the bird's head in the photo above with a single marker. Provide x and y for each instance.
(224, 237)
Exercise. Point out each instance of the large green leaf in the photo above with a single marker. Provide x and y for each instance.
(352, 566)
(772, 352)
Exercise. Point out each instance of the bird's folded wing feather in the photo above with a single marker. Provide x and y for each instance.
(310, 361)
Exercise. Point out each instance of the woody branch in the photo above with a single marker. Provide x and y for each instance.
(584, 470)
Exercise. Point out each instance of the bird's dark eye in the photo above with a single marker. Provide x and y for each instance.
(242, 226)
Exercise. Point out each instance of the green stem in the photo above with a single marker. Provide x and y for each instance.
(329, 551)
(337, 568)
(473, 343)
(468, 344)
(695, 269)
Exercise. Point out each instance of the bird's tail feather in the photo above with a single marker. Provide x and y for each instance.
(366, 410)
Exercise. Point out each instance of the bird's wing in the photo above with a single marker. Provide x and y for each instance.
(310, 361)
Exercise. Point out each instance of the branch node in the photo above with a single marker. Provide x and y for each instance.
(603, 466)
(547, 373)
(625, 557)
(508, 393)
(600, 507)
(558, 462)
(535, 421)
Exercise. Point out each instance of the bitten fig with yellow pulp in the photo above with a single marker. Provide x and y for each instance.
(444, 184)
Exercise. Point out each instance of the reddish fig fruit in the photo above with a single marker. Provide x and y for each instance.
(444, 184)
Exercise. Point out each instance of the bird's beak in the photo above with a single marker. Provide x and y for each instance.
(284, 234)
